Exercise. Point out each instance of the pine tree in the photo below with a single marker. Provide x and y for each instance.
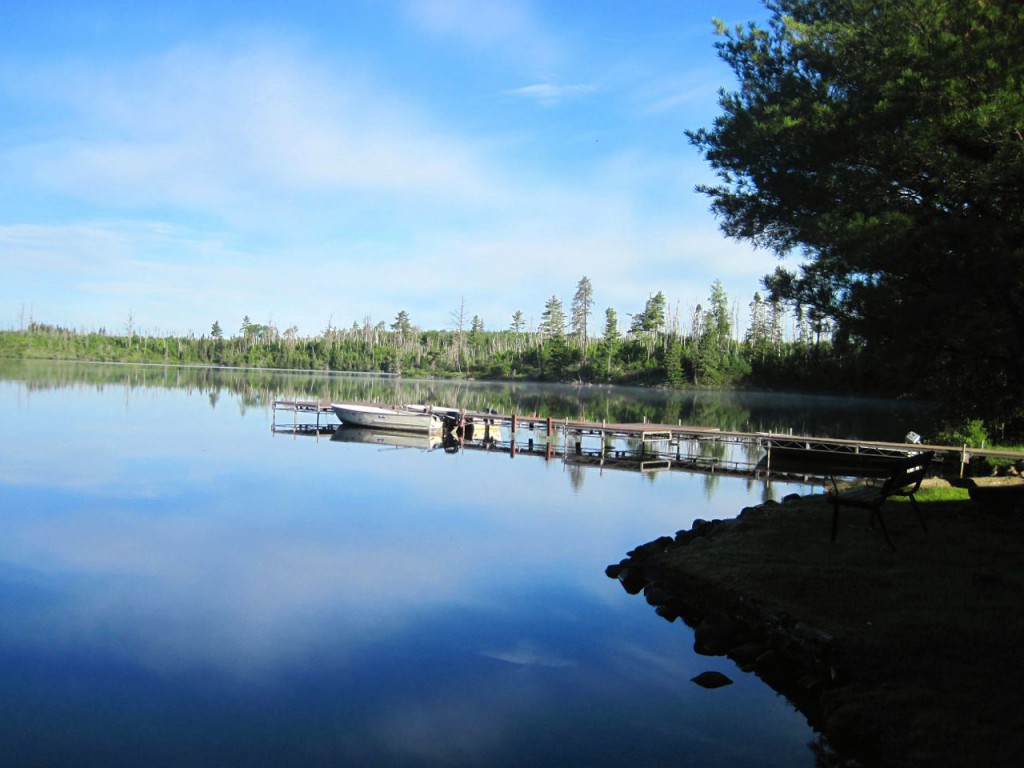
(552, 320)
(582, 302)
(518, 323)
(402, 325)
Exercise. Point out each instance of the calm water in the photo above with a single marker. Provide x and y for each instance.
(181, 586)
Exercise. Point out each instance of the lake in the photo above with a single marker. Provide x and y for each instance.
(181, 585)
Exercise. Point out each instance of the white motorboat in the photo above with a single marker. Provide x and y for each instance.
(379, 417)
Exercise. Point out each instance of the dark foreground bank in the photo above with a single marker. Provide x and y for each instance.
(905, 656)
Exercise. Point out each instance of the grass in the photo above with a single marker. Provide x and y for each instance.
(935, 493)
(929, 632)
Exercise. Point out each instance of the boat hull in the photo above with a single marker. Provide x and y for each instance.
(376, 417)
(810, 461)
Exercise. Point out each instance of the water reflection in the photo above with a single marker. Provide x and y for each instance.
(793, 659)
(383, 438)
(258, 388)
(179, 585)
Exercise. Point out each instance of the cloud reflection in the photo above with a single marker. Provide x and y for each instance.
(526, 655)
(402, 605)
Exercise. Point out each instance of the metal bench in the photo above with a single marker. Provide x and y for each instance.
(904, 480)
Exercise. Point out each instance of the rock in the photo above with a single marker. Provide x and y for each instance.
(715, 635)
(632, 579)
(746, 654)
(667, 612)
(711, 679)
(704, 527)
(754, 514)
(652, 548)
(773, 668)
(813, 634)
(791, 497)
(656, 595)
(811, 683)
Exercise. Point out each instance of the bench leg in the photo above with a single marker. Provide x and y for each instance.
(917, 511)
(835, 521)
(876, 512)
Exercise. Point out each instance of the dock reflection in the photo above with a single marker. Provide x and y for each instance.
(578, 448)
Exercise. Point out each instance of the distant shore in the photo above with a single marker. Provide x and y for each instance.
(900, 657)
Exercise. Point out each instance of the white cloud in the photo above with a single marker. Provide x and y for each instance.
(266, 180)
(550, 94)
(201, 127)
(695, 87)
(503, 28)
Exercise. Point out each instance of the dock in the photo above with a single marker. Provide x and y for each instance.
(323, 412)
(650, 447)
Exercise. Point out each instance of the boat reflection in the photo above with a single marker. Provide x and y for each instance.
(426, 441)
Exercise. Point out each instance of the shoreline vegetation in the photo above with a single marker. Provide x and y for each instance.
(650, 355)
(899, 657)
(654, 351)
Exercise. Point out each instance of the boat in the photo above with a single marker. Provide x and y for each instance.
(828, 462)
(426, 441)
(379, 417)
(997, 494)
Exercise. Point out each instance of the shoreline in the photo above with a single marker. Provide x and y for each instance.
(897, 657)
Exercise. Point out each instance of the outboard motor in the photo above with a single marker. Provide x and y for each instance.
(451, 421)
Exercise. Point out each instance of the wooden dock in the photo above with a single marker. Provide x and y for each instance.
(321, 410)
(652, 445)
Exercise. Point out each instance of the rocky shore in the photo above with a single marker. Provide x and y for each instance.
(898, 657)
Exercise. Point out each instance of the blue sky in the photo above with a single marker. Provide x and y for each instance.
(307, 163)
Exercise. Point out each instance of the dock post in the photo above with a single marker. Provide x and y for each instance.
(579, 447)
(551, 427)
(513, 425)
(530, 444)
(547, 455)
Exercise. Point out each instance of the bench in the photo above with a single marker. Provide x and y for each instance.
(904, 480)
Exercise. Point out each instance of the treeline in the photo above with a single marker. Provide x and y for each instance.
(655, 349)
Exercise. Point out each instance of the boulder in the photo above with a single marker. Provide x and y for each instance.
(711, 679)
(715, 635)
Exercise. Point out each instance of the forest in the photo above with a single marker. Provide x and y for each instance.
(779, 348)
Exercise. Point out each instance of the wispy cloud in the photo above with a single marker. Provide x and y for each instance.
(202, 168)
(550, 94)
(501, 28)
(201, 127)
